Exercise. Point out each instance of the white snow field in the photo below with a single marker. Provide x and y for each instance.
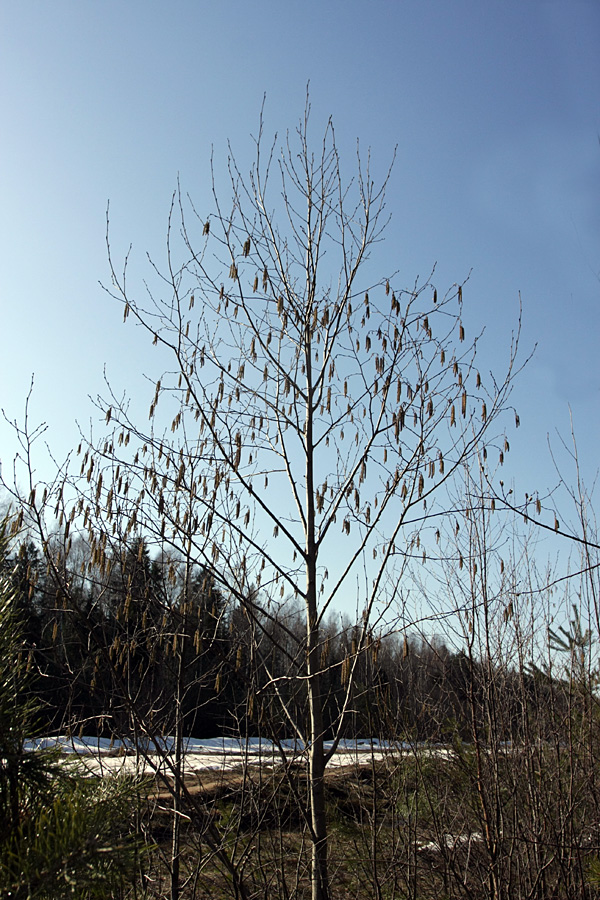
(102, 756)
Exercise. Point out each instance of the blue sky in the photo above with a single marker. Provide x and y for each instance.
(494, 108)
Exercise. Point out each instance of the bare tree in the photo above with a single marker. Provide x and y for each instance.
(304, 432)
(526, 767)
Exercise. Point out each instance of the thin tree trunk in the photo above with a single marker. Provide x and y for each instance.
(178, 774)
(316, 761)
(316, 776)
(178, 762)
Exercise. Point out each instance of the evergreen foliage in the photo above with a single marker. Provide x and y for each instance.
(61, 834)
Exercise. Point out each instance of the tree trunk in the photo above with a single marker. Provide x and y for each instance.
(177, 773)
(316, 758)
(316, 775)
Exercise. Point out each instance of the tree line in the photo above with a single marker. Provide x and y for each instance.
(106, 662)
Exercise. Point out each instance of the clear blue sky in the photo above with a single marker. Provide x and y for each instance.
(494, 107)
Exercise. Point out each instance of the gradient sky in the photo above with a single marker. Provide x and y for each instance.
(494, 108)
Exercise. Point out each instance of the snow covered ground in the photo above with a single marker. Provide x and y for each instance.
(101, 756)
